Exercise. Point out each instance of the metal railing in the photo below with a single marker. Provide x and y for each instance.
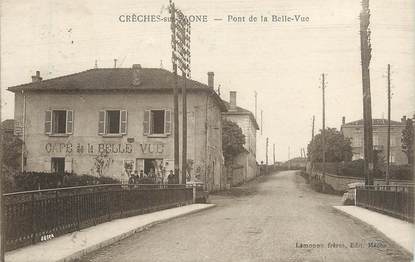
(393, 200)
(35, 216)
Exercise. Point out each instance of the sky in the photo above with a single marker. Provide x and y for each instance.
(281, 61)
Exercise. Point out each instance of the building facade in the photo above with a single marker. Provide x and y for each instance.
(354, 131)
(112, 122)
(247, 122)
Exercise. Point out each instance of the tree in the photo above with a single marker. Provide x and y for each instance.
(11, 160)
(407, 140)
(232, 140)
(12, 152)
(338, 147)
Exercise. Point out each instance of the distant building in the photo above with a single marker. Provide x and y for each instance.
(297, 162)
(354, 131)
(8, 126)
(114, 121)
(247, 122)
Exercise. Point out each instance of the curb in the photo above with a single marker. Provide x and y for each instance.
(77, 255)
(375, 229)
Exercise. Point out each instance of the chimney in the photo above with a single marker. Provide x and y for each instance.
(403, 119)
(343, 120)
(36, 78)
(211, 79)
(137, 75)
(232, 100)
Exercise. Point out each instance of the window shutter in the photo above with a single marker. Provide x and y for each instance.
(146, 122)
(123, 122)
(69, 122)
(48, 122)
(101, 123)
(167, 121)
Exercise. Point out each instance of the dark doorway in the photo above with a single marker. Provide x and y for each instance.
(149, 164)
(58, 165)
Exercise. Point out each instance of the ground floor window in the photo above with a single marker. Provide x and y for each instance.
(58, 165)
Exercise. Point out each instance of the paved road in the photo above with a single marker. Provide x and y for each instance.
(266, 220)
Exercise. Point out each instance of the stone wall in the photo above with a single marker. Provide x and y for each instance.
(339, 183)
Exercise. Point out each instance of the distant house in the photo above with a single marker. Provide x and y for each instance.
(297, 162)
(354, 131)
(247, 122)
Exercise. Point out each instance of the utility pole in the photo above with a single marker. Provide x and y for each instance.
(2, 211)
(175, 91)
(365, 52)
(311, 143)
(115, 63)
(180, 27)
(289, 157)
(323, 86)
(312, 130)
(389, 126)
(266, 152)
(184, 129)
(256, 94)
(261, 122)
(185, 74)
(273, 153)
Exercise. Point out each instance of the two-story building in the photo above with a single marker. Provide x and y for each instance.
(113, 121)
(354, 131)
(247, 122)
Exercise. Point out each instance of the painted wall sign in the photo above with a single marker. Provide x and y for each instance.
(108, 148)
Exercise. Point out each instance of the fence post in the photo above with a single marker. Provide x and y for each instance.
(33, 219)
(355, 195)
(194, 193)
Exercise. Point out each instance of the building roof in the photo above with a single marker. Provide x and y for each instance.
(240, 111)
(7, 125)
(375, 122)
(115, 79)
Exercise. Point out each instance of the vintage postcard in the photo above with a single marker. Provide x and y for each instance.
(233, 130)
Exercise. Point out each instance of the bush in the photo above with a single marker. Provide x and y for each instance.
(41, 180)
(353, 168)
(401, 172)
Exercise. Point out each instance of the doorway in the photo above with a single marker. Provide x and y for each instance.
(58, 165)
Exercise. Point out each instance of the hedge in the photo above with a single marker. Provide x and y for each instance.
(40, 180)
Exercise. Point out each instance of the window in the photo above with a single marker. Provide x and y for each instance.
(357, 141)
(157, 122)
(58, 165)
(58, 122)
(112, 122)
(395, 141)
(392, 158)
(375, 140)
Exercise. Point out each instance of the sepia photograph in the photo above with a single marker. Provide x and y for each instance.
(209, 130)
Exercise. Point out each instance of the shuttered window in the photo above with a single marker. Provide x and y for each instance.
(123, 124)
(112, 122)
(167, 121)
(101, 123)
(48, 122)
(69, 122)
(59, 122)
(157, 122)
(146, 122)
